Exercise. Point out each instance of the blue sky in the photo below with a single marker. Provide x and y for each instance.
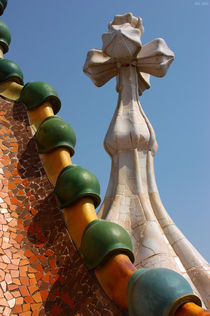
(50, 40)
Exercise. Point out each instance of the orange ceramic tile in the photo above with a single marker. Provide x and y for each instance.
(13, 242)
(35, 307)
(33, 282)
(3, 119)
(28, 253)
(39, 275)
(13, 207)
(39, 268)
(31, 275)
(19, 301)
(5, 157)
(25, 314)
(24, 280)
(37, 297)
(24, 262)
(25, 181)
(26, 307)
(27, 216)
(52, 263)
(13, 223)
(5, 162)
(12, 229)
(17, 246)
(8, 176)
(3, 147)
(11, 185)
(24, 291)
(17, 255)
(49, 253)
(16, 281)
(23, 272)
(46, 277)
(28, 299)
(31, 270)
(33, 211)
(32, 289)
(15, 172)
(40, 257)
(12, 287)
(14, 200)
(44, 294)
(14, 144)
(17, 309)
(32, 259)
(14, 214)
(16, 293)
(52, 280)
(21, 193)
(54, 272)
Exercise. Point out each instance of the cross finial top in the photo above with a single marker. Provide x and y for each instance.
(128, 18)
(122, 46)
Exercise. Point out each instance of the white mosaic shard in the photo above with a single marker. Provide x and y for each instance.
(132, 198)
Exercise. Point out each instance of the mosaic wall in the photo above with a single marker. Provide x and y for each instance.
(41, 272)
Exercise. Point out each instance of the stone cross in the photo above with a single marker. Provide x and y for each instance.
(132, 198)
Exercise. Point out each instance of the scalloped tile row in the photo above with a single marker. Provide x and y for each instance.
(41, 272)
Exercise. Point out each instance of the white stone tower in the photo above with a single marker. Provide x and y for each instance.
(132, 198)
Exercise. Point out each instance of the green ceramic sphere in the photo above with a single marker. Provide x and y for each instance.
(75, 182)
(35, 93)
(101, 239)
(3, 4)
(10, 71)
(54, 132)
(5, 36)
(158, 292)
